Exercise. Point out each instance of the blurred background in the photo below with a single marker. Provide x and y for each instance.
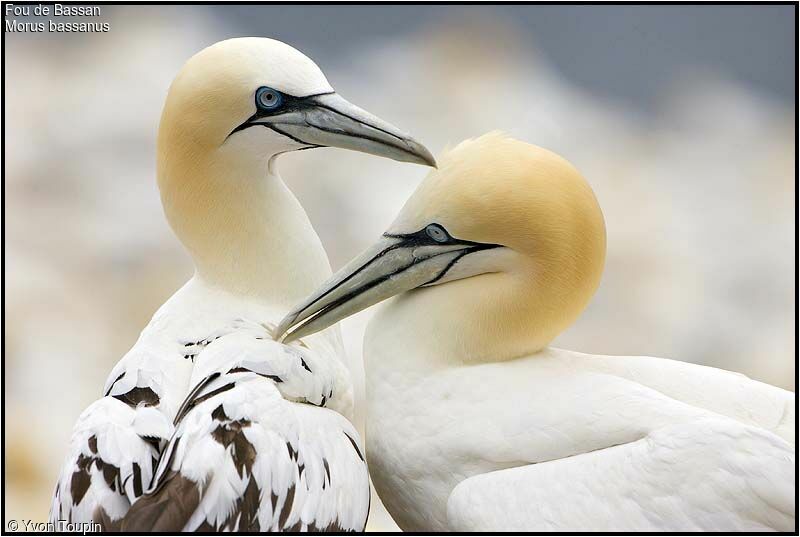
(681, 117)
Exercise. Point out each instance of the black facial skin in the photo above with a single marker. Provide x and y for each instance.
(408, 240)
(424, 238)
(289, 103)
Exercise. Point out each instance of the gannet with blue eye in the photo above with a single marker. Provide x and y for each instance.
(207, 423)
(475, 424)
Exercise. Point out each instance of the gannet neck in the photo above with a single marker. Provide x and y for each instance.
(244, 229)
(231, 110)
(492, 317)
(514, 300)
(495, 254)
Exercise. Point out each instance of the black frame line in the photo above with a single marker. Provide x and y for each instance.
(446, 3)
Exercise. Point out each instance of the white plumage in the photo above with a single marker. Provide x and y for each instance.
(562, 441)
(207, 424)
(263, 420)
(701, 476)
(475, 424)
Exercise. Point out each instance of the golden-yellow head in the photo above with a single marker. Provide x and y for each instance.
(231, 110)
(498, 190)
(505, 239)
(214, 92)
(260, 97)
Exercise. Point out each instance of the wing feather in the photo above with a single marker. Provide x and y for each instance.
(259, 442)
(708, 475)
(112, 456)
(713, 389)
(246, 459)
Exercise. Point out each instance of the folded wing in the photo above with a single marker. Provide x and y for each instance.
(255, 448)
(707, 475)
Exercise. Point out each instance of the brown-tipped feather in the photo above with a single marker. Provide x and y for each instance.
(169, 509)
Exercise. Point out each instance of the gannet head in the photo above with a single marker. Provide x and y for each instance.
(505, 237)
(231, 110)
(258, 97)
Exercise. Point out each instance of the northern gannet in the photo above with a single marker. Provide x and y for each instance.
(207, 423)
(475, 424)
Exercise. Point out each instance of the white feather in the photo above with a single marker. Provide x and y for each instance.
(566, 441)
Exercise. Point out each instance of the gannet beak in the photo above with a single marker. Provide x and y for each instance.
(328, 120)
(395, 264)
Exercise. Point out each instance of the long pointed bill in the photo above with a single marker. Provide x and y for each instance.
(328, 120)
(395, 264)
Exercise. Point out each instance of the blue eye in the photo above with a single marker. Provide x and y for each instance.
(268, 98)
(437, 233)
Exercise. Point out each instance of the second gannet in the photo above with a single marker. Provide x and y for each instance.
(207, 424)
(475, 424)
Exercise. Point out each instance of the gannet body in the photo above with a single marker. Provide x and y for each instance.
(207, 424)
(475, 424)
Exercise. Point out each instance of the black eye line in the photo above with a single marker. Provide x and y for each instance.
(418, 238)
(421, 238)
(475, 247)
(290, 103)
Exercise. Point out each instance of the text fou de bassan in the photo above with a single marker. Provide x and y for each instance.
(12, 24)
